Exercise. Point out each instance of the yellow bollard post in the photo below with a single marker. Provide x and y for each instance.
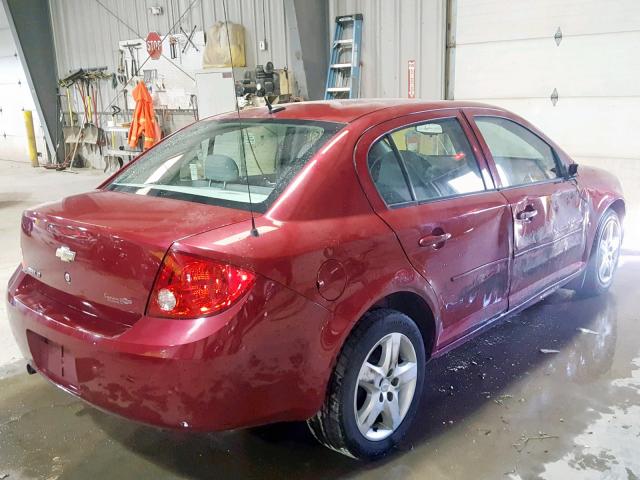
(31, 138)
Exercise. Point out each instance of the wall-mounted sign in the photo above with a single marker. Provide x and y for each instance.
(412, 79)
(154, 45)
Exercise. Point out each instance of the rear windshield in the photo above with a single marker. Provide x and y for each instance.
(227, 163)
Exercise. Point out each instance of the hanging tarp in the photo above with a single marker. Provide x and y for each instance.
(225, 46)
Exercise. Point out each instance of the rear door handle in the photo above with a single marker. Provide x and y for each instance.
(527, 214)
(435, 241)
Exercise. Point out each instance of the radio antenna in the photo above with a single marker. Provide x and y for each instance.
(254, 230)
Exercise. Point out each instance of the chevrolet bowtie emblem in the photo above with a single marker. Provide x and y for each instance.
(65, 254)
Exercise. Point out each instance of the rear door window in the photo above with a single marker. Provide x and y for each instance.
(387, 174)
(438, 159)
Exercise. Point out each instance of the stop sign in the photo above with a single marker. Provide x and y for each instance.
(154, 45)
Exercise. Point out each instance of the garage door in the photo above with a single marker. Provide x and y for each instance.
(15, 97)
(519, 55)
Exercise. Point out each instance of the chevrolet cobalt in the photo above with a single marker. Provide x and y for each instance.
(305, 264)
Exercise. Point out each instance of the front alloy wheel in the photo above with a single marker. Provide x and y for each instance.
(608, 250)
(375, 388)
(604, 257)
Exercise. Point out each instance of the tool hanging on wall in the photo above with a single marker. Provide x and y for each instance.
(122, 70)
(135, 61)
(90, 130)
(129, 46)
(111, 160)
(173, 47)
(72, 131)
(193, 100)
(189, 39)
(68, 161)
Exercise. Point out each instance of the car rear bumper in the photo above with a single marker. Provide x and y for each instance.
(242, 367)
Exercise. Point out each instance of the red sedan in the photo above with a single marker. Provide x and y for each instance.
(305, 264)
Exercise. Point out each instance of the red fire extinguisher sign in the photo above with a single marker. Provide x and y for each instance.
(412, 79)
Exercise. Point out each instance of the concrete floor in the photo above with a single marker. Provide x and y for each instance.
(495, 408)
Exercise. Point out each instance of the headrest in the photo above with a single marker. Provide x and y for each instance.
(220, 168)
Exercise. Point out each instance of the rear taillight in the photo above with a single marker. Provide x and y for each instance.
(190, 286)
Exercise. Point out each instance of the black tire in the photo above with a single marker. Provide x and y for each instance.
(335, 425)
(593, 284)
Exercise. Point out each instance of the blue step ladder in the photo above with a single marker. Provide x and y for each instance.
(343, 77)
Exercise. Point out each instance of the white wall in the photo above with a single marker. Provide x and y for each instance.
(506, 55)
(394, 32)
(15, 97)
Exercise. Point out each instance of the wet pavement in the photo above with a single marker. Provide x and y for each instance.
(495, 408)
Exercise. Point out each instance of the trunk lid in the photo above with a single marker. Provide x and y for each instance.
(99, 252)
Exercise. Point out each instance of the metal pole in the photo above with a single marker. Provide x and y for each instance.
(31, 138)
(451, 12)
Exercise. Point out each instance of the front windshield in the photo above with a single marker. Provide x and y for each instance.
(227, 163)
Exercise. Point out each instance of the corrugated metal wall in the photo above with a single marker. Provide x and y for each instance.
(87, 31)
(394, 32)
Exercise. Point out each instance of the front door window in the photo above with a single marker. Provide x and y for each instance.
(520, 156)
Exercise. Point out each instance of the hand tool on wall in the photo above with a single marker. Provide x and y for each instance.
(173, 47)
(68, 161)
(189, 39)
(112, 161)
(90, 130)
(133, 53)
(70, 131)
(122, 70)
(193, 100)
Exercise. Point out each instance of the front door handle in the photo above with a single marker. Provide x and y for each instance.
(527, 214)
(435, 241)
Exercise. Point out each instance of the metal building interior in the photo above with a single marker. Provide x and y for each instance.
(552, 392)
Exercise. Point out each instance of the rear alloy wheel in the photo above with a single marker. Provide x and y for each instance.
(604, 256)
(386, 386)
(375, 388)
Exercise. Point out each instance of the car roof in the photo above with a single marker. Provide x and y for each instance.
(347, 111)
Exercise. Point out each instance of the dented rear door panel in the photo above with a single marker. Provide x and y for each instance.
(469, 272)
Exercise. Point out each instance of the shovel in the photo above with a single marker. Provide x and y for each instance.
(90, 130)
(70, 132)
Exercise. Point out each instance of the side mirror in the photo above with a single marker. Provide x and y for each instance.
(572, 170)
